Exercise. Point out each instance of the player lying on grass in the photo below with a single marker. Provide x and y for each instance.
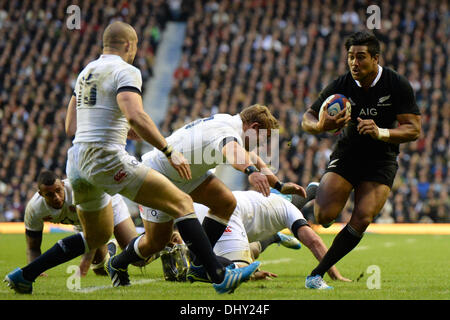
(254, 218)
(53, 203)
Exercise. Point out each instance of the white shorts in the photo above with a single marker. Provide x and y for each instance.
(97, 168)
(120, 211)
(234, 244)
(158, 216)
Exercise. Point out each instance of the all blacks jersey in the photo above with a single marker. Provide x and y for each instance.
(389, 95)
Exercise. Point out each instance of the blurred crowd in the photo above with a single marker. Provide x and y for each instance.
(280, 53)
(40, 58)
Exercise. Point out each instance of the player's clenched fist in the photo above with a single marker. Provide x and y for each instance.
(367, 127)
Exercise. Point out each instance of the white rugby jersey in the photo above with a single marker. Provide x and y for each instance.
(260, 216)
(200, 142)
(99, 118)
(37, 211)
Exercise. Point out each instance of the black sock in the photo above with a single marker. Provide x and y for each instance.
(268, 241)
(213, 229)
(224, 261)
(343, 243)
(127, 256)
(195, 238)
(64, 250)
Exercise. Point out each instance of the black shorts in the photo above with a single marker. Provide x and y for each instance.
(356, 168)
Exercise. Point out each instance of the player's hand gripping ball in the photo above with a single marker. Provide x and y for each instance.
(335, 104)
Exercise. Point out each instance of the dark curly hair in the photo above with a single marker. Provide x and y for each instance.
(364, 38)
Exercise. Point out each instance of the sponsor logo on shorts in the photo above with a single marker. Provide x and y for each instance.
(228, 229)
(120, 175)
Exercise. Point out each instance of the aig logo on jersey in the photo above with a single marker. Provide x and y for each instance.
(368, 112)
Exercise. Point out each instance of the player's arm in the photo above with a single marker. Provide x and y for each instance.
(239, 158)
(33, 242)
(71, 117)
(408, 129)
(130, 103)
(311, 122)
(285, 188)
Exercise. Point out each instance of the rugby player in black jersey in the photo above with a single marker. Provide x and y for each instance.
(384, 114)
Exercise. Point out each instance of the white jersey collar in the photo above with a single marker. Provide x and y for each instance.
(380, 70)
(111, 56)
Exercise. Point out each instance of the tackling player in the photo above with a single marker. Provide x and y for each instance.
(206, 142)
(384, 114)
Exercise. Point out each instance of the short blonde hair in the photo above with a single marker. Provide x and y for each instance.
(260, 114)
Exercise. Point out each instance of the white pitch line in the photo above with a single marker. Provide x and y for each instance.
(93, 289)
(361, 248)
(283, 260)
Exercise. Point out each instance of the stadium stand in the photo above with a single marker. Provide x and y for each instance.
(279, 53)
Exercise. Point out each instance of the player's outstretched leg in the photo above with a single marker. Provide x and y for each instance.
(21, 279)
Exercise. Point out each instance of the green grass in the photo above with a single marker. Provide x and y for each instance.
(413, 267)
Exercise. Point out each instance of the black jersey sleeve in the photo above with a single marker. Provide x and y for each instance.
(324, 94)
(406, 99)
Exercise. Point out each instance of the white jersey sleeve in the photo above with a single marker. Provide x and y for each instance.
(32, 221)
(129, 79)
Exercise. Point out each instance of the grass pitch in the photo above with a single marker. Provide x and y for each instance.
(389, 267)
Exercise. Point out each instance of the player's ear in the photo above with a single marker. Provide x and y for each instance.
(254, 125)
(376, 58)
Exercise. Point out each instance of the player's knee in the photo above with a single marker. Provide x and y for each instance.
(225, 208)
(323, 215)
(98, 239)
(181, 205)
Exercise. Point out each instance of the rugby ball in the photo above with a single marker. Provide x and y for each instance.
(335, 104)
